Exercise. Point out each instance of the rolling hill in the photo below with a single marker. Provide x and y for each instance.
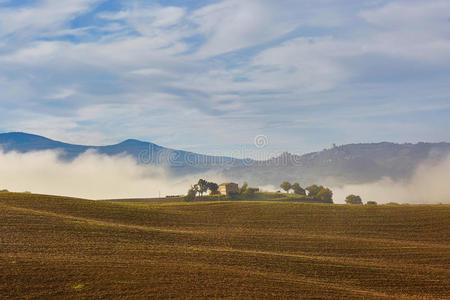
(353, 163)
(142, 152)
(346, 164)
(66, 248)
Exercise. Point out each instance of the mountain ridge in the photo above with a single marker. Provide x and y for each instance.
(345, 164)
(143, 152)
(351, 163)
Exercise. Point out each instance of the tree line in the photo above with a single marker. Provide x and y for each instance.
(320, 193)
(315, 192)
(200, 188)
(203, 186)
(355, 199)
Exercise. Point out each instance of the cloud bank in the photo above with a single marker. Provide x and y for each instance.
(429, 185)
(95, 176)
(90, 176)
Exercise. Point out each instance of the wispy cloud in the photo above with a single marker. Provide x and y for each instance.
(307, 73)
(40, 17)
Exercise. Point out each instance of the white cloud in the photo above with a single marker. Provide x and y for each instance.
(62, 94)
(303, 65)
(90, 176)
(38, 53)
(232, 24)
(161, 67)
(415, 30)
(428, 185)
(410, 15)
(43, 17)
(162, 27)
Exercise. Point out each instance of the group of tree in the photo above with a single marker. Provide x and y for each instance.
(200, 188)
(355, 199)
(295, 187)
(315, 192)
(204, 186)
(245, 192)
(320, 193)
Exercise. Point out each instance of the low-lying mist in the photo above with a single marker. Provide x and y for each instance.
(91, 176)
(429, 184)
(96, 176)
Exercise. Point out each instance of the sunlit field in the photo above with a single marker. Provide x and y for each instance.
(73, 248)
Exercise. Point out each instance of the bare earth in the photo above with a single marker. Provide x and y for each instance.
(53, 247)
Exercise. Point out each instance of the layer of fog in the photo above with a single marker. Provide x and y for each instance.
(90, 176)
(95, 176)
(429, 184)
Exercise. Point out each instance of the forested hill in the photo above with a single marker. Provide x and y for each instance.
(353, 163)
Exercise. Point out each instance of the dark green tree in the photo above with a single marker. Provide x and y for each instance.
(202, 186)
(243, 188)
(213, 188)
(313, 190)
(286, 186)
(249, 193)
(353, 199)
(191, 194)
(325, 195)
(298, 189)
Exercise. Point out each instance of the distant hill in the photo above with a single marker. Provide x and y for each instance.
(354, 163)
(144, 152)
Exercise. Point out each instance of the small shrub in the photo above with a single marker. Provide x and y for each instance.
(372, 203)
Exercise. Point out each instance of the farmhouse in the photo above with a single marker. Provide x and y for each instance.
(227, 188)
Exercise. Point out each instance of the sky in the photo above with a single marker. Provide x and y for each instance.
(216, 76)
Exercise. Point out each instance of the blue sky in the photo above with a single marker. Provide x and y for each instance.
(210, 76)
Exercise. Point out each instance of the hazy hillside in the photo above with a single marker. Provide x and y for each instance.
(143, 152)
(354, 163)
